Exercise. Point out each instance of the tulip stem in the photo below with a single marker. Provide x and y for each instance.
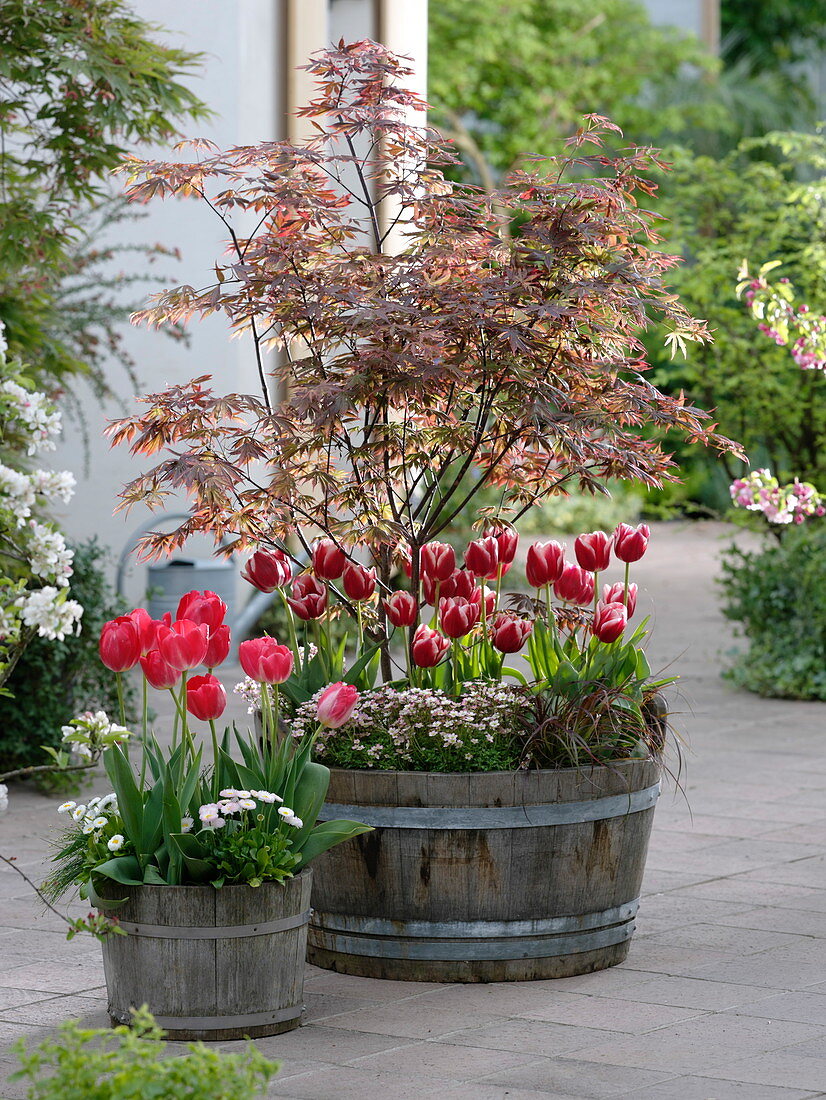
(175, 718)
(361, 628)
(627, 573)
(291, 628)
(276, 708)
(214, 733)
(119, 682)
(145, 733)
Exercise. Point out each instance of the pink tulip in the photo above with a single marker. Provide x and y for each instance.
(482, 557)
(457, 617)
(328, 560)
(574, 585)
(615, 593)
(401, 608)
(429, 647)
(359, 582)
(120, 644)
(205, 698)
(336, 704)
(593, 551)
(610, 619)
(309, 597)
(490, 599)
(630, 543)
(184, 644)
(148, 627)
(265, 661)
(218, 647)
(508, 632)
(544, 563)
(438, 561)
(507, 540)
(462, 583)
(267, 570)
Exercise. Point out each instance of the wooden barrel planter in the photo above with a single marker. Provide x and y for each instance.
(211, 964)
(484, 877)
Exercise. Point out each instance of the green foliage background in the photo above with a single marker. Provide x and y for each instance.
(54, 681)
(777, 595)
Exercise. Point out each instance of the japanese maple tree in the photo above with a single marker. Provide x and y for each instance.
(409, 377)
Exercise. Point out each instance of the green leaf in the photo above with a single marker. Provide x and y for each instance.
(308, 799)
(327, 835)
(130, 799)
(192, 853)
(123, 869)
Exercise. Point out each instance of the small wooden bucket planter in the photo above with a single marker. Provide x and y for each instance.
(483, 877)
(211, 964)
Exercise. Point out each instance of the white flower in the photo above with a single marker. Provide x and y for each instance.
(215, 823)
(20, 489)
(65, 807)
(78, 812)
(115, 843)
(266, 796)
(208, 812)
(99, 822)
(88, 828)
(228, 806)
(246, 803)
(186, 824)
(53, 616)
(35, 415)
(49, 556)
(54, 484)
(289, 817)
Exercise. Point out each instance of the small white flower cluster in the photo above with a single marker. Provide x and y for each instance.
(91, 732)
(213, 815)
(249, 690)
(49, 556)
(35, 416)
(50, 612)
(93, 817)
(20, 491)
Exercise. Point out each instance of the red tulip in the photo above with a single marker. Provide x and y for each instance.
(120, 644)
(438, 561)
(544, 563)
(428, 647)
(158, 673)
(610, 619)
(309, 598)
(264, 660)
(267, 570)
(482, 557)
(507, 540)
(218, 647)
(203, 608)
(336, 704)
(615, 593)
(328, 560)
(359, 582)
(205, 697)
(148, 627)
(630, 543)
(593, 551)
(457, 617)
(574, 585)
(184, 644)
(401, 608)
(508, 632)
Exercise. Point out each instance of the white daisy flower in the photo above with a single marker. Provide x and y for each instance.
(186, 824)
(116, 843)
(64, 809)
(78, 812)
(246, 803)
(99, 822)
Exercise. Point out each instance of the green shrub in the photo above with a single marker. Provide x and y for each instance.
(53, 681)
(124, 1064)
(777, 595)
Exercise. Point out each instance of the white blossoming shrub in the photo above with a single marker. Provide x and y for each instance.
(421, 729)
(37, 563)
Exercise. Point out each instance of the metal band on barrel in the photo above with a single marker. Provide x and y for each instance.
(221, 1023)
(227, 932)
(495, 817)
(473, 940)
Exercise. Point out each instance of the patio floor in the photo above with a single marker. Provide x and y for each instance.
(723, 994)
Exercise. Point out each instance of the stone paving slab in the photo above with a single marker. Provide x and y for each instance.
(723, 996)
